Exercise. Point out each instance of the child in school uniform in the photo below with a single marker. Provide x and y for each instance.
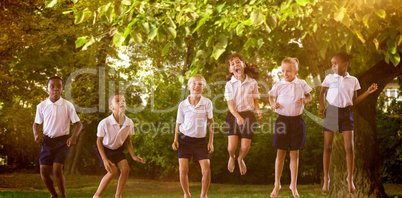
(241, 93)
(341, 89)
(288, 97)
(194, 116)
(113, 136)
(55, 113)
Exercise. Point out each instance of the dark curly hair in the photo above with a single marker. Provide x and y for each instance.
(344, 56)
(250, 70)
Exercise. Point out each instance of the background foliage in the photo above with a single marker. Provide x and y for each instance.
(168, 41)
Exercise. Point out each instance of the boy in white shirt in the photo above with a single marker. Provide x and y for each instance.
(193, 117)
(291, 94)
(113, 133)
(55, 113)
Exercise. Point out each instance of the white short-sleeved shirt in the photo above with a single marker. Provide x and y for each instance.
(242, 93)
(288, 94)
(56, 117)
(341, 89)
(194, 119)
(113, 135)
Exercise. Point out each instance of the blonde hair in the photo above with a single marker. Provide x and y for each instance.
(198, 76)
(293, 61)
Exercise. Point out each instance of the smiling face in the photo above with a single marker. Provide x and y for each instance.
(289, 72)
(196, 85)
(54, 89)
(118, 104)
(339, 66)
(236, 66)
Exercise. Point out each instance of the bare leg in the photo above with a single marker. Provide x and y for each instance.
(45, 171)
(349, 148)
(124, 171)
(294, 167)
(206, 176)
(105, 181)
(232, 146)
(58, 174)
(183, 163)
(280, 158)
(245, 147)
(328, 145)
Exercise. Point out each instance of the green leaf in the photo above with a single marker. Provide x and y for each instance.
(302, 2)
(145, 26)
(271, 21)
(50, 3)
(118, 39)
(223, 40)
(209, 40)
(126, 2)
(239, 29)
(166, 48)
(80, 41)
(137, 37)
(218, 51)
(394, 58)
(381, 13)
(201, 22)
(220, 7)
(129, 27)
(200, 53)
(249, 42)
(346, 20)
(171, 22)
(349, 44)
(338, 16)
(260, 42)
(178, 41)
(257, 17)
(79, 17)
(360, 36)
(366, 19)
(152, 33)
(171, 31)
(391, 46)
(247, 22)
(108, 12)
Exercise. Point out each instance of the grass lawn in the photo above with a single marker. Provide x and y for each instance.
(31, 185)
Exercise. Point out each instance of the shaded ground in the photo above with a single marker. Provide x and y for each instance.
(31, 185)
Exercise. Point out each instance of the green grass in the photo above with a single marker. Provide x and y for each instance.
(31, 185)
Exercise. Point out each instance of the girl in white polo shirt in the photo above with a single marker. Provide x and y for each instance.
(193, 117)
(113, 133)
(288, 97)
(341, 96)
(241, 93)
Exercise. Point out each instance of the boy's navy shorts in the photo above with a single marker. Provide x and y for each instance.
(338, 119)
(54, 150)
(243, 131)
(190, 146)
(290, 133)
(114, 156)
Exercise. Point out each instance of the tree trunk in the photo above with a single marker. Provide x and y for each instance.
(367, 167)
(72, 164)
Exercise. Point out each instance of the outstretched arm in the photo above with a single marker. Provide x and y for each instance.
(371, 89)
